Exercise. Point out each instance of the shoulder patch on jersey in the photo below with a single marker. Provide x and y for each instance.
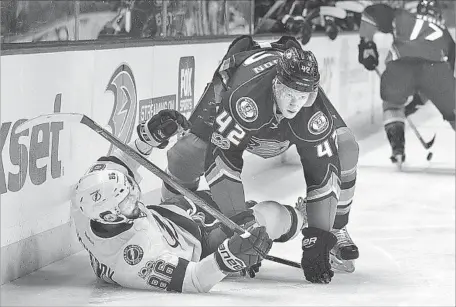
(133, 254)
(250, 103)
(247, 109)
(318, 123)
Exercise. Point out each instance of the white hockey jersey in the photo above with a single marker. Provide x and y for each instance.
(161, 250)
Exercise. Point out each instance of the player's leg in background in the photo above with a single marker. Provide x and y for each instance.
(396, 85)
(186, 158)
(438, 84)
(185, 164)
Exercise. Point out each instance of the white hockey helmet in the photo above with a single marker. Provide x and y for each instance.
(108, 197)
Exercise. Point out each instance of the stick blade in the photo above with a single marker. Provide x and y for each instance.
(430, 143)
(46, 118)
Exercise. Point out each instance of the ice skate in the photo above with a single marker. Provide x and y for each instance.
(344, 253)
(396, 137)
(398, 158)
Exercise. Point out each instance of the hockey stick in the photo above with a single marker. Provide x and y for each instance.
(198, 201)
(425, 144)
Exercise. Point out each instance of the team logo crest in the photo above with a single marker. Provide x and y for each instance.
(122, 85)
(133, 254)
(318, 123)
(247, 109)
(96, 196)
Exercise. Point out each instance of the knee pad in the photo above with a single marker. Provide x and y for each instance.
(282, 222)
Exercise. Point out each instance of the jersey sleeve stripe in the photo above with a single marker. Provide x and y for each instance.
(183, 221)
(177, 279)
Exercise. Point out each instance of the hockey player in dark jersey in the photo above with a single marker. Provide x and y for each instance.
(264, 98)
(422, 61)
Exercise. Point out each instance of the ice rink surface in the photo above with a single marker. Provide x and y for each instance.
(402, 222)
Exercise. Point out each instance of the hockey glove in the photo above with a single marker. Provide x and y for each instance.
(368, 54)
(246, 219)
(159, 128)
(238, 253)
(215, 233)
(316, 245)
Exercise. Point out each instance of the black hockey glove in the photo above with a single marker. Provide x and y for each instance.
(159, 128)
(368, 54)
(316, 245)
(216, 233)
(247, 219)
(238, 253)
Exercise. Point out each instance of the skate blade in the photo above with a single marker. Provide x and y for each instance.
(347, 266)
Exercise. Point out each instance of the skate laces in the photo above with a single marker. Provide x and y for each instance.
(343, 238)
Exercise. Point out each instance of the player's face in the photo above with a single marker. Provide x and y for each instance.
(290, 101)
(129, 206)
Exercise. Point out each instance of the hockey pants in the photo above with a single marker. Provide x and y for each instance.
(405, 77)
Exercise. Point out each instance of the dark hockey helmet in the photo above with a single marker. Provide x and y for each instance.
(298, 69)
(429, 8)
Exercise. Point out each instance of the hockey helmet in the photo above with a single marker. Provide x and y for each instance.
(429, 8)
(298, 69)
(108, 197)
(296, 83)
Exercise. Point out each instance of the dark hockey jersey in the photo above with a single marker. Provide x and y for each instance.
(246, 120)
(415, 36)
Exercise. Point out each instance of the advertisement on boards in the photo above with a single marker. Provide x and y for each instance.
(186, 84)
(122, 120)
(150, 107)
(33, 154)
